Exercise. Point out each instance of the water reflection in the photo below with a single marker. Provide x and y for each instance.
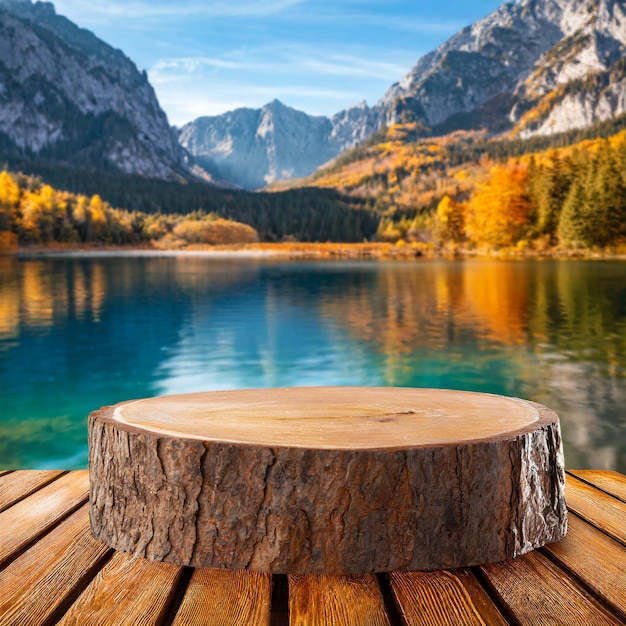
(76, 334)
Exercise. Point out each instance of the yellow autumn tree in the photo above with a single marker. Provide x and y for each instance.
(98, 210)
(31, 209)
(9, 192)
(9, 201)
(499, 210)
(450, 222)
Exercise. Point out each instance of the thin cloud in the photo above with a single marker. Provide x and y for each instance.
(288, 62)
(190, 65)
(341, 65)
(142, 10)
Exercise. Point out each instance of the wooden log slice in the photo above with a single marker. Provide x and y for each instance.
(327, 480)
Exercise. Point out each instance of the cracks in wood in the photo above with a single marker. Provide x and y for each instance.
(512, 541)
(198, 488)
(262, 517)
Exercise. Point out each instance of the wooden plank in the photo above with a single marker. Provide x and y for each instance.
(538, 592)
(32, 517)
(3, 472)
(611, 482)
(337, 600)
(126, 592)
(445, 598)
(18, 485)
(217, 597)
(43, 580)
(596, 559)
(602, 510)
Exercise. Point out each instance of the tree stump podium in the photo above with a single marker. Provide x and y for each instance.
(337, 480)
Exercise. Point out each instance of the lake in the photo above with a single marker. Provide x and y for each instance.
(77, 333)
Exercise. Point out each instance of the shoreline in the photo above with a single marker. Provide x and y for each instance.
(288, 250)
(312, 251)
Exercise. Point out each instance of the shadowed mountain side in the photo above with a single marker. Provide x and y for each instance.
(255, 147)
(66, 96)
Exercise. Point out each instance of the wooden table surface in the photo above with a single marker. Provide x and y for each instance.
(53, 572)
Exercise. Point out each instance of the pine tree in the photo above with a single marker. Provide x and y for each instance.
(572, 231)
(606, 201)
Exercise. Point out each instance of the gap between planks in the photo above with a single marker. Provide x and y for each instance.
(605, 512)
(20, 484)
(29, 519)
(609, 482)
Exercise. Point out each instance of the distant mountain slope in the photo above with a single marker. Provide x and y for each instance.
(532, 67)
(254, 147)
(66, 96)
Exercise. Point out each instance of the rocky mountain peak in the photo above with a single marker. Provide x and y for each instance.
(496, 70)
(67, 96)
(254, 147)
(275, 105)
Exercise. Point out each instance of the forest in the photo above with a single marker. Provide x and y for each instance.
(461, 192)
(295, 214)
(468, 192)
(572, 198)
(35, 213)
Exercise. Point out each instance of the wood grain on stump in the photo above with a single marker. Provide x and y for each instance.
(327, 480)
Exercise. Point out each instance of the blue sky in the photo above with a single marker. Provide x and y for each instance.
(320, 56)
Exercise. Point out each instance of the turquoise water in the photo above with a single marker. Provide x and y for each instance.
(80, 333)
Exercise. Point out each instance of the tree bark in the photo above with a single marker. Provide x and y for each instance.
(366, 480)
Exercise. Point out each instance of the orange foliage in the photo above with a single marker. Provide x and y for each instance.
(404, 173)
(499, 210)
(31, 212)
(214, 231)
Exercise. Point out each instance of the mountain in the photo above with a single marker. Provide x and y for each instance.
(67, 97)
(532, 67)
(254, 147)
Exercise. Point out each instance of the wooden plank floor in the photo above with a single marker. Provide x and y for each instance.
(53, 572)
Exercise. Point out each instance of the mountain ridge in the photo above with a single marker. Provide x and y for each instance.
(507, 73)
(530, 68)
